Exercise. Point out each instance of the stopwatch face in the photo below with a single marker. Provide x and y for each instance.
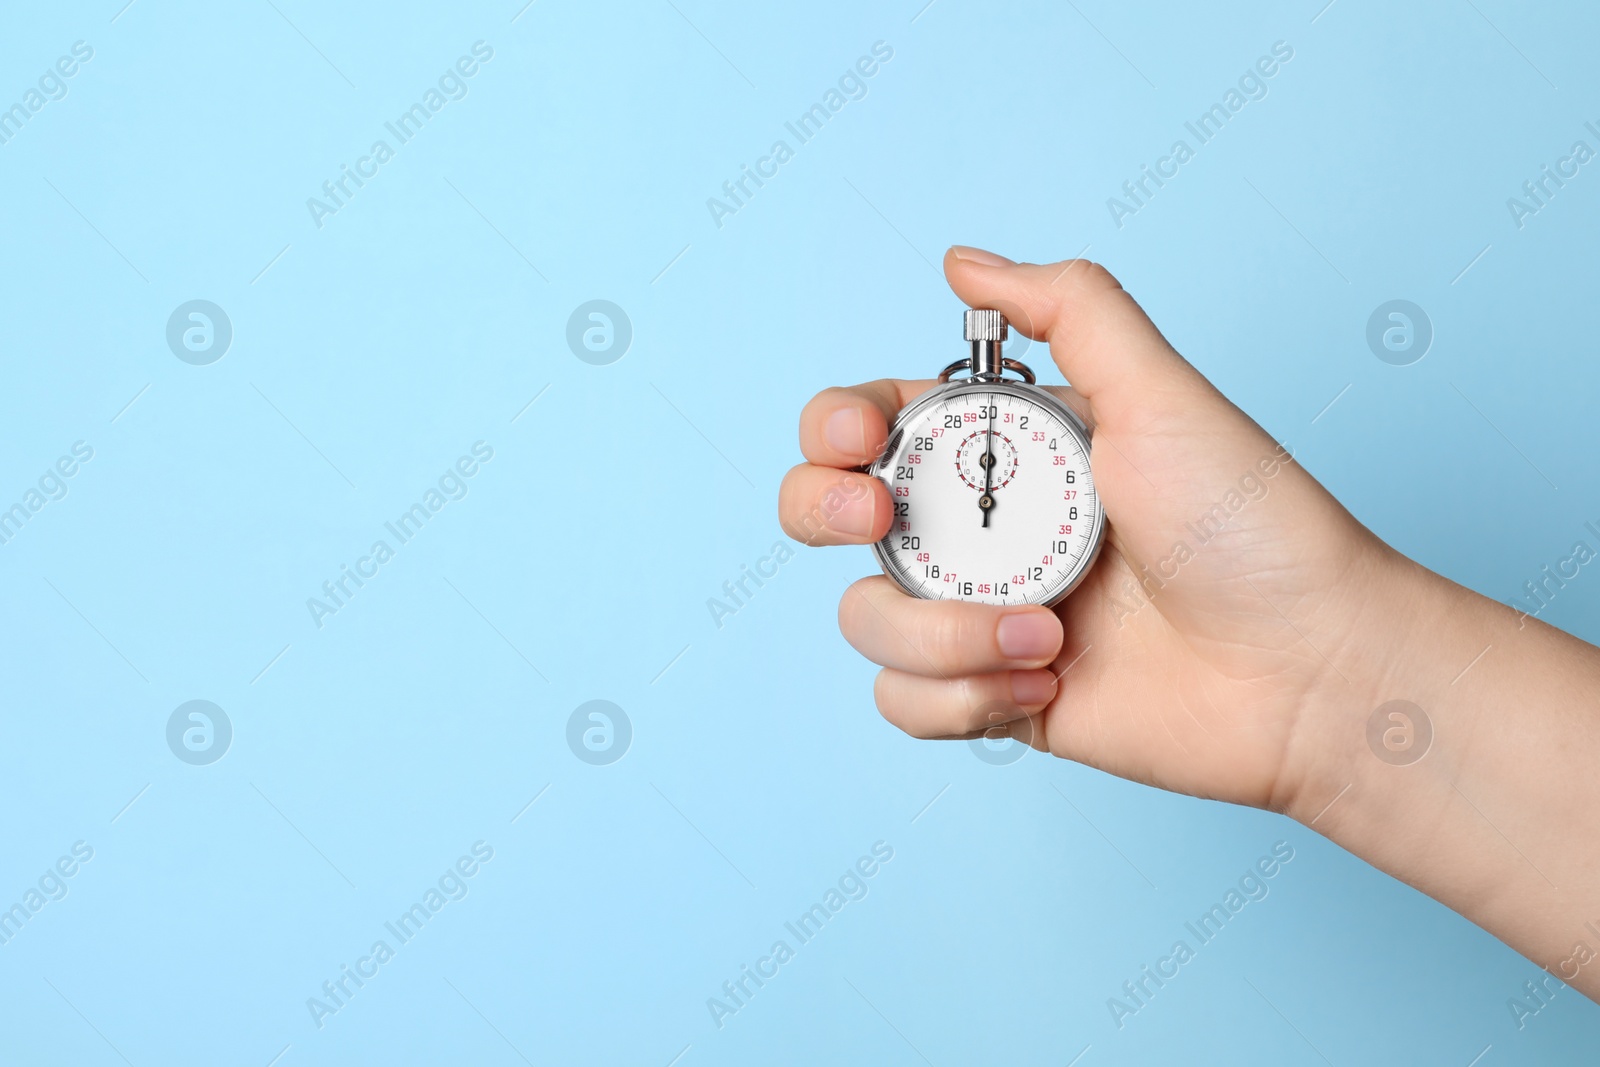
(993, 496)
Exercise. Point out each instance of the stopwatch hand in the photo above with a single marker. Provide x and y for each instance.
(986, 501)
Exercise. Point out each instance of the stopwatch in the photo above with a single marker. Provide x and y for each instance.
(994, 498)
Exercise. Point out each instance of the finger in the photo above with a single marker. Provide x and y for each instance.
(1076, 401)
(1025, 729)
(827, 506)
(973, 704)
(1100, 337)
(945, 638)
(848, 427)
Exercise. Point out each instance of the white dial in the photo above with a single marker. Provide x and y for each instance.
(993, 496)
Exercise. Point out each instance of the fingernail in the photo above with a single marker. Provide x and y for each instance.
(1029, 635)
(854, 517)
(1032, 687)
(846, 431)
(978, 255)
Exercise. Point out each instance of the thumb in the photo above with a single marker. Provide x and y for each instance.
(1100, 337)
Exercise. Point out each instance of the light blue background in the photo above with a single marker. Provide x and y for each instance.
(370, 753)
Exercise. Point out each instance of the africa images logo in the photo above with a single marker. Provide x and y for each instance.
(453, 884)
(199, 332)
(852, 85)
(1252, 887)
(452, 85)
(1252, 85)
(52, 85)
(199, 733)
(452, 485)
(852, 885)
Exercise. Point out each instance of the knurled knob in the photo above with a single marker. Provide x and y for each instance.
(985, 324)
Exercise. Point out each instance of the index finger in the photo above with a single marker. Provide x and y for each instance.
(848, 427)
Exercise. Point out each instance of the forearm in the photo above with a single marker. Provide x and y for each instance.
(1500, 818)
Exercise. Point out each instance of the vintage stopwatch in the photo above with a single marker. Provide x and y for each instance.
(994, 499)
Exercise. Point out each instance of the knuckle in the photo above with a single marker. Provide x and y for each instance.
(854, 606)
(992, 707)
(788, 495)
(880, 696)
(971, 694)
(1092, 277)
(943, 633)
(891, 706)
(792, 511)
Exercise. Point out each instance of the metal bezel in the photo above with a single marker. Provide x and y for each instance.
(1034, 394)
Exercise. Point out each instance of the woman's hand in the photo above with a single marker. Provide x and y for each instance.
(1229, 587)
(1241, 635)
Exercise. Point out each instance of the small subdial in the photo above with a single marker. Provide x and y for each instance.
(986, 457)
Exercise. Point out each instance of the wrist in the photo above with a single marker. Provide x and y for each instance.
(1473, 790)
(1370, 727)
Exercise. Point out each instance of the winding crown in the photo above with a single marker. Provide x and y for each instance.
(985, 324)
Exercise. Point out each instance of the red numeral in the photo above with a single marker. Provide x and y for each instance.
(1058, 461)
(1037, 436)
(902, 490)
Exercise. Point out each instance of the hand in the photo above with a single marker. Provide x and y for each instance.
(1194, 655)
(1239, 634)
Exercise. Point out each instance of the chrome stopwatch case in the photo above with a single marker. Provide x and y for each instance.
(994, 498)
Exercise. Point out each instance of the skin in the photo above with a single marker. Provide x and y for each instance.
(1246, 664)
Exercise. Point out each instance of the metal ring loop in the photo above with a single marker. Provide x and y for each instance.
(960, 364)
(1009, 364)
(1020, 368)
